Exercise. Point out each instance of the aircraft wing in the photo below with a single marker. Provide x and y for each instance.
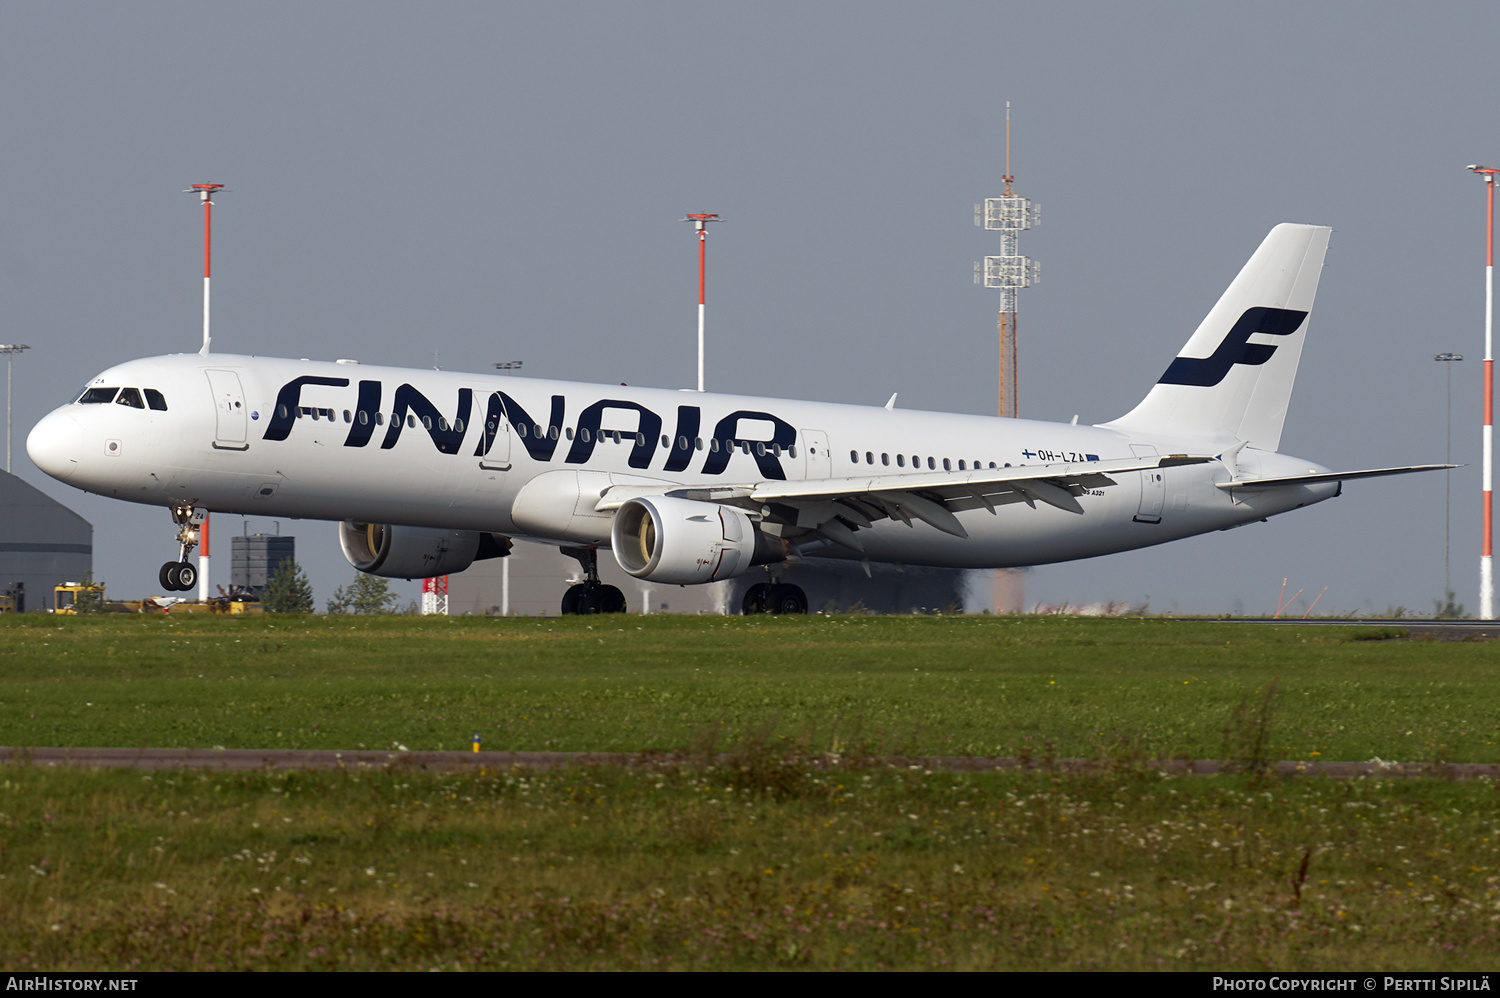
(1331, 476)
(835, 508)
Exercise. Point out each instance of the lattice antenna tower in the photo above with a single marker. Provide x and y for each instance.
(435, 596)
(1008, 272)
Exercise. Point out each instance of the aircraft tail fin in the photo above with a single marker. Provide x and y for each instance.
(1233, 377)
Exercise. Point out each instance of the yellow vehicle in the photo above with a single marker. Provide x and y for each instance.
(72, 598)
(78, 597)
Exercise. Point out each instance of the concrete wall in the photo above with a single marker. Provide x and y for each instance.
(540, 574)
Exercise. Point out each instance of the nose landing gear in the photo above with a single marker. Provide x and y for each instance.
(590, 596)
(180, 576)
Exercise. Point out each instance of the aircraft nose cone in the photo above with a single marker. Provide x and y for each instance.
(55, 444)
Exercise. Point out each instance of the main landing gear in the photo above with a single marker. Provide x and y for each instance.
(590, 596)
(181, 576)
(774, 597)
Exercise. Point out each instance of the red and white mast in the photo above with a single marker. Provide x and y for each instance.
(206, 194)
(700, 224)
(1486, 555)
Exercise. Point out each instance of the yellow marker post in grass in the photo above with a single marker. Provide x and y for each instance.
(476, 741)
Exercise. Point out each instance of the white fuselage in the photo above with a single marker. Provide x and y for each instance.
(288, 438)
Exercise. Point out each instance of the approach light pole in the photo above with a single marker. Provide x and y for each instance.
(1486, 554)
(1447, 359)
(505, 367)
(206, 194)
(700, 225)
(10, 350)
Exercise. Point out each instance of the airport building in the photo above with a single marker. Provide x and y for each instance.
(254, 559)
(42, 543)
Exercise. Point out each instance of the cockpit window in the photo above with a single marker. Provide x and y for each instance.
(131, 397)
(155, 400)
(96, 395)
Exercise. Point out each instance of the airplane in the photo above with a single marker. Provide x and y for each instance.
(429, 471)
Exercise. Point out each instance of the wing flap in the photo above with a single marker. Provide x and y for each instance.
(1092, 474)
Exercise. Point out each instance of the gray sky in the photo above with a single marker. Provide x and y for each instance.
(503, 181)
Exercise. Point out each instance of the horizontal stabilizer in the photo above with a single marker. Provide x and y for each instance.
(1332, 476)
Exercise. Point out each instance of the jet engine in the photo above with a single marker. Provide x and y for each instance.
(684, 541)
(397, 552)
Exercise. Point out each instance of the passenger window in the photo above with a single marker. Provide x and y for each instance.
(791, 450)
(348, 416)
(900, 460)
(869, 458)
(885, 459)
(961, 464)
(96, 395)
(854, 457)
(131, 397)
(931, 464)
(947, 465)
(156, 400)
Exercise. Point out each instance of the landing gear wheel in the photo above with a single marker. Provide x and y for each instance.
(757, 599)
(168, 576)
(187, 576)
(602, 599)
(787, 598)
(571, 600)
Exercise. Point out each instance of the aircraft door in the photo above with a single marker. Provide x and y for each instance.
(818, 460)
(229, 410)
(1153, 487)
(496, 429)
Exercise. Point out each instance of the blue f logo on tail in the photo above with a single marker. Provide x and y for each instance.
(1236, 348)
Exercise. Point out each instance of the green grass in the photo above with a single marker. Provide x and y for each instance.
(762, 861)
(757, 864)
(1039, 687)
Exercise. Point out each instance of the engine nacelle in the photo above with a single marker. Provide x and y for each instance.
(396, 552)
(684, 541)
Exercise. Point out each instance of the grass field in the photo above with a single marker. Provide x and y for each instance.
(760, 861)
(750, 865)
(976, 685)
